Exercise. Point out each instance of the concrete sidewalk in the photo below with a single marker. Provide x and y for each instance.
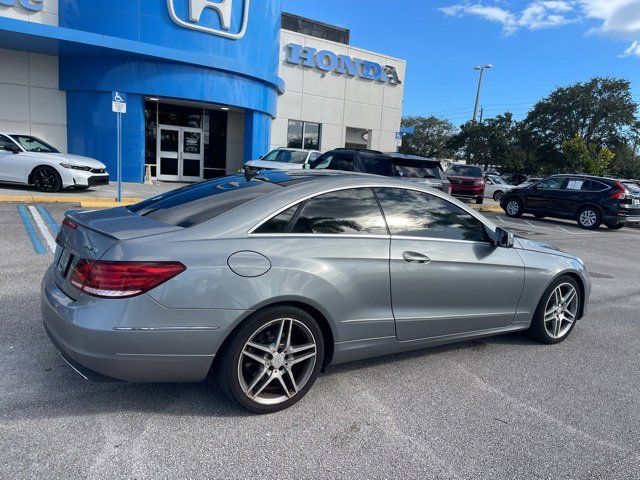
(104, 195)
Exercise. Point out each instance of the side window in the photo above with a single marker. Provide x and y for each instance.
(552, 184)
(593, 186)
(5, 142)
(376, 165)
(353, 212)
(313, 156)
(334, 161)
(419, 214)
(280, 223)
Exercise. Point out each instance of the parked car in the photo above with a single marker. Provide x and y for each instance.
(529, 181)
(514, 178)
(466, 181)
(495, 187)
(589, 200)
(427, 171)
(25, 159)
(265, 280)
(284, 159)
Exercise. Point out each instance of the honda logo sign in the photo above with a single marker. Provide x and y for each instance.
(195, 17)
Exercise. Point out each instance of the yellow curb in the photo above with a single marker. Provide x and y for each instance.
(61, 199)
(98, 204)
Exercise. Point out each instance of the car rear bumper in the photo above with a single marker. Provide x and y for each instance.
(107, 339)
(624, 217)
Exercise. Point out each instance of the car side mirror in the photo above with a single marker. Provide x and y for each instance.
(503, 238)
(12, 148)
(306, 166)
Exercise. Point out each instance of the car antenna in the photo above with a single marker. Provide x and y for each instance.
(250, 174)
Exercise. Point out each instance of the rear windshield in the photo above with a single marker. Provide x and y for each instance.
(195, 204)
(465, 171)
(416, 169)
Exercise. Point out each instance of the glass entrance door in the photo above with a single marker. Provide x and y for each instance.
(180, 154)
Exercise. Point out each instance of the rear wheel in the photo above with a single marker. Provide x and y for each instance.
(589, 218)
(273, 360)
(615, 226)
(514, 208)
(47, 179)
(497, 196)
(557, 311)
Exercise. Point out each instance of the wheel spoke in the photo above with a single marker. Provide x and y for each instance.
(303, 358)
(264, 385)
(292, 378)
(255, 357)
(287, 344)
(569, 297)
(259, 377)
(259, 346)
(549, 316)
(569, 315)
(279, 337)
(300, 348)
(284, 386)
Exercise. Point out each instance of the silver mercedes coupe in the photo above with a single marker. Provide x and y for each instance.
(263, 280)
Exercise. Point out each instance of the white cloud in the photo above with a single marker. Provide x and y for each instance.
(618, 19)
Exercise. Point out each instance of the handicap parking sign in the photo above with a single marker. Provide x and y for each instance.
(119, 102)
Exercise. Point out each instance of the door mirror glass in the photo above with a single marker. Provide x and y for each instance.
(12, 148)
(503, 238)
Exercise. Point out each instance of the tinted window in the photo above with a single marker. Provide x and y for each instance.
(555, 183)
(334, 161)
(593, 186)
(416, 169)
(353, 212)
(195, 204)
(418, 214)
(6, 143)
(294, 134)
(376, 165)
(465, 171)
(279, 223)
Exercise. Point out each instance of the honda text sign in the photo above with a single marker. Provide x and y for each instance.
(226, 18)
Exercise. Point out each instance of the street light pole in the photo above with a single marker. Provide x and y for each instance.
(481, 69)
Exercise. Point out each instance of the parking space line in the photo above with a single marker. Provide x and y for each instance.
(43, 228)
(38, 246)
(53, 226)
(501, 219)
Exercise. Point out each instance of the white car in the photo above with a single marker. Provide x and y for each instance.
(495, 187)
(28, 160)
(284, 159)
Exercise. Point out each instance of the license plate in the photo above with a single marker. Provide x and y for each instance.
(636, 201)
(63, 263)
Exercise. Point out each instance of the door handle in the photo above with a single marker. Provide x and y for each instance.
(413, 257)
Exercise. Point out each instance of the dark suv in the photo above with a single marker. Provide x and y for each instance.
(589, 200)
(425, 171)
(466, 181)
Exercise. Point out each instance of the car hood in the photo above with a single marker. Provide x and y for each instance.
(67, 158)
(541, 247)
(274, 165)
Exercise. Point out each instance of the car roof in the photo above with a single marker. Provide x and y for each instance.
(406, 156)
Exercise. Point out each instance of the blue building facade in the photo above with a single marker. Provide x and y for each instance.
(196, 72)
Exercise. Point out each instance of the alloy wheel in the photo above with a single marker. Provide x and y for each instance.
(588, 218)
(498, 196)
(45, 179)
(277, 361)
(561, 310)
(513, 207)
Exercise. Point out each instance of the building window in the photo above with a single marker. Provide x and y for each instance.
(304, 135)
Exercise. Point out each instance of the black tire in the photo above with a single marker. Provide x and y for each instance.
(46, 179)
(538, 328)
(589, 218)
(479, 200)
(514, 208)
(229, 367)
(82, 187)
(614, 226)
(497, 195)
(539, 215)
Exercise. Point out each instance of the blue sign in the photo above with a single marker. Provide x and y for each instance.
(407, 130)
(33, 5)
(119, 102)
(342, 64)
(226, 18)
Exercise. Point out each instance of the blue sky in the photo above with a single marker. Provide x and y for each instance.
(535, 46)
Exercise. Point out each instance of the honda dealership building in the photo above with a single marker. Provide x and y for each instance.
(209, 83)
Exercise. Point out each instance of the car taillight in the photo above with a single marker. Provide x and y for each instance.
(122, 279)
(620, 193)
(70, 224)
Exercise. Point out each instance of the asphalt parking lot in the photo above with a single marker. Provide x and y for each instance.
(498, 408)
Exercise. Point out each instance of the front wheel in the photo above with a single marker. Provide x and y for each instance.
(589, 218)
(273, 360)
(514, 208)
(557, 311)
(497, 196)
(47, 179)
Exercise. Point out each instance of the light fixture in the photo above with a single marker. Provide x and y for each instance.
(153, 99)
(224, 108)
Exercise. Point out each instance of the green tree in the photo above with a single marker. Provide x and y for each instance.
(591, 159)
(430, 138)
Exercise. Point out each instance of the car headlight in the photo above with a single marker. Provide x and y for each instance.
(75, 167)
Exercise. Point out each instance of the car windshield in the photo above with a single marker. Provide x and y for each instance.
(497, 180)
(465, 171)
(33, 144)
(286, 156)
(416, 169)
(195, 204)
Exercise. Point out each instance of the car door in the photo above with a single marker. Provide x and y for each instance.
(543, 196)
(335, 250)
(12, 165)
(446, 278)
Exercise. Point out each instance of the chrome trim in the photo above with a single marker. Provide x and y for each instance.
(317, 235)
(415, 188)
(162, 329)
(471, 315)
(433, 239)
